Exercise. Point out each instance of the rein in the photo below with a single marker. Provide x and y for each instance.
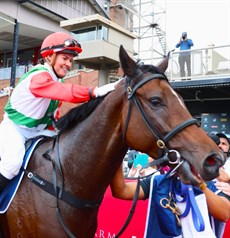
(132, 210)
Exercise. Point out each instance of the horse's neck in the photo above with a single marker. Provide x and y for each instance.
(97, 146)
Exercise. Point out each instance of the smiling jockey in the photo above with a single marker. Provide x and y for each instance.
(37, 95)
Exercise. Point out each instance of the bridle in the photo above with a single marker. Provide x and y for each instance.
(164, 155)
(161, 139)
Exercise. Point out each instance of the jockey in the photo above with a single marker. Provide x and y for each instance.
(37, 95)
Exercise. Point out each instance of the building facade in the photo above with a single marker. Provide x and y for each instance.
(25, 23)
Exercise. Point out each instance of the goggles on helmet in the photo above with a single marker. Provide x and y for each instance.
(69, 45)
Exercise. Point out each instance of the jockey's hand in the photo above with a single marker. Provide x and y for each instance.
(103, 90)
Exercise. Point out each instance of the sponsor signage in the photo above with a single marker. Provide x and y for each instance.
(216, 122)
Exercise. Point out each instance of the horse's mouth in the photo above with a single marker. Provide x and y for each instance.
(189, 175)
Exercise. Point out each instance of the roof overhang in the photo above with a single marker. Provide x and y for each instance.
(205, 95)
(95, 19)
(41, 10)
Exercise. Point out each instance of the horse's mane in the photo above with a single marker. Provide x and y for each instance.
(77, 114)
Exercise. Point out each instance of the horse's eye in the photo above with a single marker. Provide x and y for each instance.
(155, 101)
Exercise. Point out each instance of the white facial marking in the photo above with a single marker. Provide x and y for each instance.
(179, 99)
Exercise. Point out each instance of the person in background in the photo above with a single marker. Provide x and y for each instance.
(37, 96)
(222, 186)
(221, 183)
(184, 57)
(224, 145)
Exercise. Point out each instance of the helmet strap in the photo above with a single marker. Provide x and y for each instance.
(55, 72)
(51, 59)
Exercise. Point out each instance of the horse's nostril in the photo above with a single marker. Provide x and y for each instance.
(210, 161)
(211, 166)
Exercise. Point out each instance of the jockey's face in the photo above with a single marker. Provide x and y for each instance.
(63, 64)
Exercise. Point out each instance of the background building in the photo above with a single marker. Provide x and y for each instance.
(25, 23)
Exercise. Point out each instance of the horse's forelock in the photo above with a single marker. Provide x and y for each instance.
(148, 68)
(132, 80)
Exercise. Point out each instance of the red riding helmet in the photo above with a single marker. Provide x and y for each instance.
(60, 42)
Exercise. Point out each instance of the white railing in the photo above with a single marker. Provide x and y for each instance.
(206, 63)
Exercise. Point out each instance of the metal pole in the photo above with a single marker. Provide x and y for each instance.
(14, 54)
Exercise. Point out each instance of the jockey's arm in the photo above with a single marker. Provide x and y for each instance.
(122, 189)
(218, 206)
(42, 85)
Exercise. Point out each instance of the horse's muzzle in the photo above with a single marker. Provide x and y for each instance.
(211, 166)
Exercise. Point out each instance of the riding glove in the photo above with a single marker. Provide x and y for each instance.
(103, 90)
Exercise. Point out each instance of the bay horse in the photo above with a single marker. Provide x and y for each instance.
(143, 113)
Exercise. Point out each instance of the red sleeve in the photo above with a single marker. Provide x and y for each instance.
(42, 85)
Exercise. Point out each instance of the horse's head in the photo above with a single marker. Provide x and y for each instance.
(155, 120)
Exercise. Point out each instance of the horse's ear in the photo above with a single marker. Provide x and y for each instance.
(163, 65)
(128, 65)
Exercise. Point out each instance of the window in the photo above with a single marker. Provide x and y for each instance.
(102, 33)
(91, 33)
(87, 34)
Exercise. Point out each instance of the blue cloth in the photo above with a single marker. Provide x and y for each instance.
(157, 223)
(162, 222)
(187, 193)
(7, 195)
